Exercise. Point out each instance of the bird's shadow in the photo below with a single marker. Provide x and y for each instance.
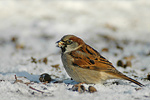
(35, 78)
(69, 81)
(30, 77)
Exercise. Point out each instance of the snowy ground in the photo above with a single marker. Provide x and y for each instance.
(31, 28)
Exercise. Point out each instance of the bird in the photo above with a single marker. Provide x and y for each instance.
(86, 65)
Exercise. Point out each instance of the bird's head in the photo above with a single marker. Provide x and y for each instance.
(69, 43)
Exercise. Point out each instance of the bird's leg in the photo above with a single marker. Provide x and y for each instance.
(80, 87)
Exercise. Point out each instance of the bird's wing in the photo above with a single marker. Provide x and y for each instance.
(88, 58)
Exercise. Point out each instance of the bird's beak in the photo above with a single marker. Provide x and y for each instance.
(60, 44)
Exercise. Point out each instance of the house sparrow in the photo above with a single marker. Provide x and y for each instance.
(85, 65)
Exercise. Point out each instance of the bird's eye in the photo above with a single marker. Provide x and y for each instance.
(69, 42)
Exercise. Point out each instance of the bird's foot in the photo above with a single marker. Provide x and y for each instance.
(79, 87)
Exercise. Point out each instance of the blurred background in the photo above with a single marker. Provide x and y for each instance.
(124, 19)
(30, 28)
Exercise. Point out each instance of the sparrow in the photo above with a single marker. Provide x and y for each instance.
(85, 65)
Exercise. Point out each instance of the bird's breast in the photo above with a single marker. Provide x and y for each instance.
(80, 74)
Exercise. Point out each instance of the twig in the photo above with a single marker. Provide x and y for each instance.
(15, 77)
(36, 89)
(16, 80)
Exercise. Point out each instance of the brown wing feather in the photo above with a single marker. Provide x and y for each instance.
(87, 57)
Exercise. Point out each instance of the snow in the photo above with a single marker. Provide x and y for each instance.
(39, 24)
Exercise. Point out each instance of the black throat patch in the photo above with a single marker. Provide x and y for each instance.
(63, 49)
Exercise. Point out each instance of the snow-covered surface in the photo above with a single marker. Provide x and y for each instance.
(39, 24)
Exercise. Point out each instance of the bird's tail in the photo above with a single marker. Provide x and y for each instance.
(132, 80)
(118, 75)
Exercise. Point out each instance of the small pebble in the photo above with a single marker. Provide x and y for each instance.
(20, 46)
(120, 63)
(109, 26)
(115, 54)
(33, 60)
(124, 66)
(92, 89)
(105, 50)
(129, 57)
(117, 83)
(45, 60)
(14, 39)
(119, 47)
(45, 78)
(144, 69)
(56, 66)
(128, 63)
(148, 77)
